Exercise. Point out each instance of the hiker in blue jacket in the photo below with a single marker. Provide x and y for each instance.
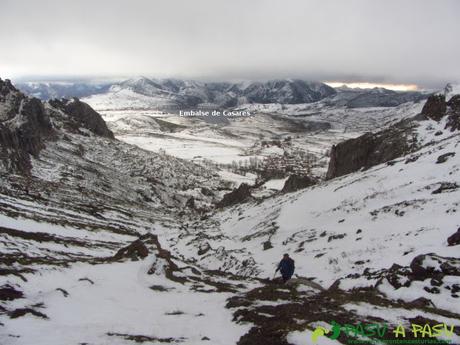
(286, 267)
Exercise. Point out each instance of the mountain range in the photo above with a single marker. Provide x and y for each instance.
(176, 94)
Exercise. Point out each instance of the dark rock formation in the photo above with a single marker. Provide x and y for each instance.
(421, 302)
(454, 104)
(24, 126)
(336, 237)
(238, 195)
(20, 312)
(149, 244)
(435, 107)
(83, 116)
(267, 245)
(446, 187)
(453, 111)
(396, 276)
(425, 266)
(204, 248)
(431, 265)
(419, 270)
(168, 266)
(451, 267)
(454, 239)
(375, 148)
(370, 149)
(135, 251)
(190, 203)
(296, 182)
(9, 293)
(443, 158)
(206, 191)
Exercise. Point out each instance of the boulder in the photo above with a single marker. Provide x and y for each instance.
(238, 195)
(267, 245)
(190, 203)
(420, 269)
(454, 239)
(296, 182)
(445, 187)
(434, 266)
(135, 251)
(9, 293)
(204, 248)
(451, 267)
(421, 302)
(443, 158)
(396, 275)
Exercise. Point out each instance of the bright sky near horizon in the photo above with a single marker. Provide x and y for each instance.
(364, 85)
(381, 42)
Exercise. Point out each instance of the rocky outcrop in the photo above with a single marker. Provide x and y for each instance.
(238, 195)
(453, 113)
(9, 293)
(135, 251)
(454, 239)
(431, 265)
(190, 203)
(435, 107)
(375, 148)
(24, 126)
(370, 149)
(83, 116)
(396, 276)
(296, 182)
(444, 157)
(454, 104)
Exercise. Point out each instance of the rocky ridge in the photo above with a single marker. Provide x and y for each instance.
(372, 149)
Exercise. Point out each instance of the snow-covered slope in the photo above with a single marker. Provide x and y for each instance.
(65, 216)
(387, 214)
(380, 234)
(144, 93)
(102, 242)
(47, 90)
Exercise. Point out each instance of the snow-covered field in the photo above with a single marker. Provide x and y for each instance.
(188, 147)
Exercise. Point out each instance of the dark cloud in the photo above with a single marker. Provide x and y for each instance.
(381, 40)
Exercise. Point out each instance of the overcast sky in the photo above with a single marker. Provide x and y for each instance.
(392, 41)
